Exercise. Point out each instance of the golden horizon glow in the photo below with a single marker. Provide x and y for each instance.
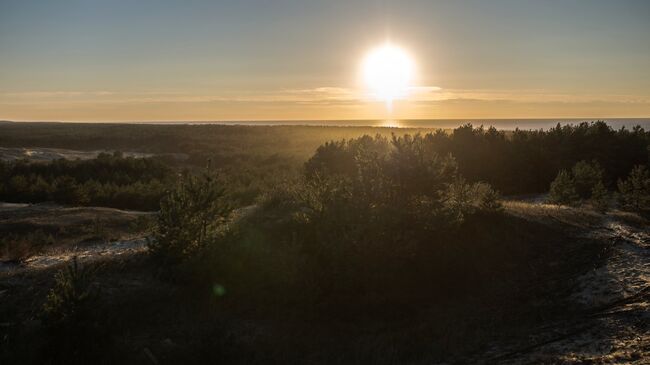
(122, 61)
(388, 72)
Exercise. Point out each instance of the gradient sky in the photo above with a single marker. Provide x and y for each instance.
(91, 60)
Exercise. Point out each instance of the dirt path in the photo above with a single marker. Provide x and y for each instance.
(85, 253)
(89, 252)
(615, 299)
(51, 154)
(626, 273)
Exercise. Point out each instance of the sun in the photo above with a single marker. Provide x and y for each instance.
(388, 71)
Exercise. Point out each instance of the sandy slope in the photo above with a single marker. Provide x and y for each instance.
(86, 253)
(43, 154)
(626, 273)
(615, 299)
(73, 233)
(49, 154)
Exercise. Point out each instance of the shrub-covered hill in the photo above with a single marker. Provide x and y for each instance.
(496, 280)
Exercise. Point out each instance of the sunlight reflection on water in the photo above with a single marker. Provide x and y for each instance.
(390, 124)
(506, 124)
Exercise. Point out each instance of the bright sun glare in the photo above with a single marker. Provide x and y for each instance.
(388, 71)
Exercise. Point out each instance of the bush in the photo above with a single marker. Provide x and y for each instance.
(563, 190)
(634, 192)
(191, 217)
(583, 183)
(599, 197)
(586, 176)
(73, 318)
(69, 302)
(486, 198)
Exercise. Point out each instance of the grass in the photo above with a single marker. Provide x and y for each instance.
(572, 216)
(33, 229)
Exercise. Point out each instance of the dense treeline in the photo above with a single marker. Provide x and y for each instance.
(109, 180)
(521, 161)
(527, 161)
(254, 159)
(584, 184)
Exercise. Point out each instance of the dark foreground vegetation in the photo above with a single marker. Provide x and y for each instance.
(336, 237)
(374, 249)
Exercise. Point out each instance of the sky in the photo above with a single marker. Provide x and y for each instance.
(160, 60)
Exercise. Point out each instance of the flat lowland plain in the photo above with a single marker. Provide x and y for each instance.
(529, 283)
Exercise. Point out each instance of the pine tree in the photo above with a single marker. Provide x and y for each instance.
(634, 192)
(586, 175)
(599, 197)
(563, 190)
(190, 218)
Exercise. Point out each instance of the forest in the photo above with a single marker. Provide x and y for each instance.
(110, 180)
(254, 159)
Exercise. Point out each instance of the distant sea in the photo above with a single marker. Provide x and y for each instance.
(507, 124)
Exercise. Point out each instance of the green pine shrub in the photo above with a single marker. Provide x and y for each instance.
(586, 175)
(563, 190)
(634, 191)
(191, 217)
(584, 183)
(599, 197)
(70, 301)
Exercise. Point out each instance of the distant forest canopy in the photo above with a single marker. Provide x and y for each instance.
(253, 159)
(527, 161)
(109, 180)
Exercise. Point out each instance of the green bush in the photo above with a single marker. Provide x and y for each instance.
(463, 199)
(74, 318)
(192, 216)
(586, 176)
(583, 183)
(634, 192)
(486, 198)
(563, 190)
(599, 197)
(70, 301)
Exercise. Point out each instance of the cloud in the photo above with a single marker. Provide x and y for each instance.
(532, 96)
(54, 94)
(321, 96)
